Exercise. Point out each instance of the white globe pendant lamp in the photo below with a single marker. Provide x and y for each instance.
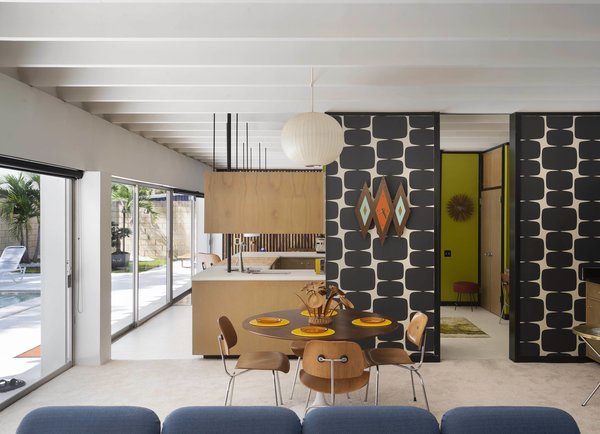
(312, 139)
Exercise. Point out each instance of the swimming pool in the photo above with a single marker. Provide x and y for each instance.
(9, 298)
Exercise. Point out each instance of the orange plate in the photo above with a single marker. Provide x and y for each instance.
(268, 320)
(314, 329)
(372, 319)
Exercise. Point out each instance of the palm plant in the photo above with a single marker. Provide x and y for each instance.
(123, 195)
(20, 202)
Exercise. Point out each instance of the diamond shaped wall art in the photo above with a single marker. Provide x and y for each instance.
(364, 209)
(382, 210)
(401, 210)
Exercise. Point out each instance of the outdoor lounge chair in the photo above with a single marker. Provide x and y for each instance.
(10, 263)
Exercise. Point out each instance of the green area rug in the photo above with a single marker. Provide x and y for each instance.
(457, 327)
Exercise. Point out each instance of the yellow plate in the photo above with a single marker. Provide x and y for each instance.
(283, 322)
(305, 313)
(358, 322)
(299, 332)
(268, 320)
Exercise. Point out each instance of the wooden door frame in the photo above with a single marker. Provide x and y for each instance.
(502, 188)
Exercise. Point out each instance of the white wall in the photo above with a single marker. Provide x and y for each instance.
(39, 127)
(53, 253)
(91, 334)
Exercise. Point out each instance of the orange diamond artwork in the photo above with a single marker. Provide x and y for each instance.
(382, 210)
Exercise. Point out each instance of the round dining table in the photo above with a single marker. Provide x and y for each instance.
(587, 333)
(342, 325)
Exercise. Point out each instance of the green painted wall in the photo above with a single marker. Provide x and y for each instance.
(460, 174)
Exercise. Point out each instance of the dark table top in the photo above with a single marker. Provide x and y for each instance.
(588, 331)
(342, 324)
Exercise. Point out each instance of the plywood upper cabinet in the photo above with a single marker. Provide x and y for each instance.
(492, 168)
(264, 202)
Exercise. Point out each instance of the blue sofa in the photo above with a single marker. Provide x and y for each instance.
(90, 420)
(513, 420)
(331, 420)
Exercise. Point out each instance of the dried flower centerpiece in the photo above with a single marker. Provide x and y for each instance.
(321, 308)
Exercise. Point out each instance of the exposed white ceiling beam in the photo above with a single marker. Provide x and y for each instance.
(205, 135)
(476, 126)
(280, 21)
(431, 53)
(208, 142)
(502, 75)
(220, 127)
(477, 105)
(253, 119)
(337, 93)
(161, 70)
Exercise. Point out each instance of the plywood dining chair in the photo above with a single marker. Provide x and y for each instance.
(207, 260)
(333, 367)
(399, 357)
(273, 361)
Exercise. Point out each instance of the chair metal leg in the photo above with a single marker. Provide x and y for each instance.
(377, 386)
(424, 392)
(412, 380)
(591, 394)
(279, 386)
(228, 389)
(231, 394)
(367, 388)
(275, 388)
(307, 401)
(295, 377)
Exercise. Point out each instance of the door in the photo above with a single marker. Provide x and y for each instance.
(491, 253)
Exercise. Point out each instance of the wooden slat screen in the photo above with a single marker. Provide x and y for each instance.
(276, 243)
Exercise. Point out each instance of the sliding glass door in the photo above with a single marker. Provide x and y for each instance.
(153, 232)
(122, 276)
(183, 236)
(153, 249)
(35, 277)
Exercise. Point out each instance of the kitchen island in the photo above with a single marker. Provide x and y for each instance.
(275, 279)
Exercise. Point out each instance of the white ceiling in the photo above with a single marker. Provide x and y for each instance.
(162, 69)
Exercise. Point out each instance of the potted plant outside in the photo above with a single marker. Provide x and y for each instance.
(120, 258)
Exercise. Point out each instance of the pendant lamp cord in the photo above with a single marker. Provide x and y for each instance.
(312, 90)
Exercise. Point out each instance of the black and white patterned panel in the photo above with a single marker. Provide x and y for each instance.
(397, 278)
(559, 158)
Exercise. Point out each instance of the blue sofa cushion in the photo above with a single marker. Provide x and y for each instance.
(380, 420)
(249, 420)
(513, 420)
(90, 420)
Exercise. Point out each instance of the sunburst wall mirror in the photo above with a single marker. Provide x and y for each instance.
(460, 207)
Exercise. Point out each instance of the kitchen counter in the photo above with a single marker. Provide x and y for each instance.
(262, 261)
(215, 292)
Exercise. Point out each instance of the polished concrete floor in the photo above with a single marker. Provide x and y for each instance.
(166, 376)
